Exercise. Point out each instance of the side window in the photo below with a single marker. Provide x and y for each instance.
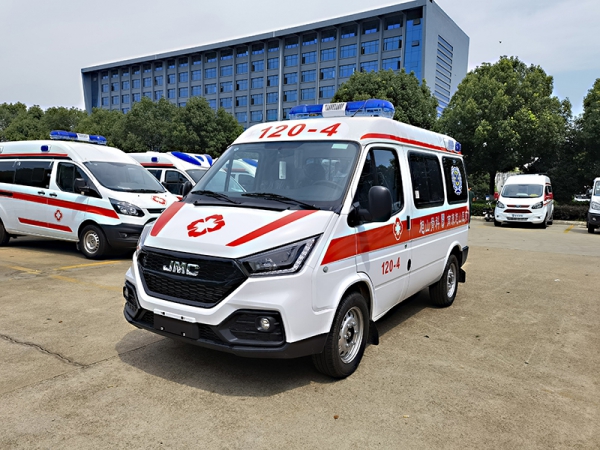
(426, 176)
(33, 173)
(381, 168)
(174, 181)
(7, 172)
(66, 175)
(456, 180)
(156, 173)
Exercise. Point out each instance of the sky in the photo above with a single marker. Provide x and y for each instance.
(45, 44)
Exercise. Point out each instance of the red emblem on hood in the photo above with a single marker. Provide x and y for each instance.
(158, 199)
(203, 226)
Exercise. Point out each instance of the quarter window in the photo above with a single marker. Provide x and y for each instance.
(426, 176)
(33, 173)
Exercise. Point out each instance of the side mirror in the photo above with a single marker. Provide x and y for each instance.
(187, 187)
(380, 204)
(81, 186)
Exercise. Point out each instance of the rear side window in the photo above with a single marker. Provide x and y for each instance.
(33, 173)
(456, 180)
(7, 172)
(426, 176)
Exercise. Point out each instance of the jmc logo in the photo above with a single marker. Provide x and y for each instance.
(206, 225)
(182, 268)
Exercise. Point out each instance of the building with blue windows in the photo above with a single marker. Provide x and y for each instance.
(259, 78)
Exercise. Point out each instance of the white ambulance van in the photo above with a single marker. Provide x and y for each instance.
(593, 221)
(75, 188)
(174, 169)
(347, 216)
(525, 199)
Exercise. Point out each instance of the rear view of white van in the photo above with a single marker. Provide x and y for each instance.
(525, 198)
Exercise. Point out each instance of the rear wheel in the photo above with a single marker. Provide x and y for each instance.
(92, 242)
(4, 236)
(444, 291)
(347, 339)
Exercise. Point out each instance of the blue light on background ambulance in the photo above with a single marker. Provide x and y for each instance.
(70, 136)
(371, 108)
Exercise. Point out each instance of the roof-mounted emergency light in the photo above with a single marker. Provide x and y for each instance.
(70, 136)
(187, 158)
(371, 108)
(452, 145)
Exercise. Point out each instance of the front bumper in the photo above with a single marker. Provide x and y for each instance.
(535, 217)
(237, 334)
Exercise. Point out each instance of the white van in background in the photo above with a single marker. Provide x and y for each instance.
(593, 221)
(525, 199)
(75, 188)
(174, 169)
(345, 213)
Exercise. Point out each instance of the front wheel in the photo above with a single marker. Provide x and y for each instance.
(347, 339)
(497, 224)
(92, 242)
(591, 229)
(443, 292)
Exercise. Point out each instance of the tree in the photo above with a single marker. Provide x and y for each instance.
(413, 101)
(8, 113)
(589, 128)
(505, 117)
(61, 118)
(148, 126)
(102, 122)
(27, 125)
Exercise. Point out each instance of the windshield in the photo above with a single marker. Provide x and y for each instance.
(196, 174)
(522, 190)
(284, 175)
(124, 177)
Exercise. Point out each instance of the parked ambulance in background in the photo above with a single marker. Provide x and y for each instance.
(174, 169)
(593, 221)
(346, 216)
(525, 198)
(75, 188)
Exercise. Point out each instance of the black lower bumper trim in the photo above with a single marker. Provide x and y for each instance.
(123, 236)
(310, 346)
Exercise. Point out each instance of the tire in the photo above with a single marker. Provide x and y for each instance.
(591, 229)
(443, 293)
(551, 220)
(347, 339)
(497, 224)
(92, 242)
(4, 236)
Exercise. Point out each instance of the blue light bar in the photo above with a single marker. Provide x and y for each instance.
(187, 158)
(370, 108)
(70, 136)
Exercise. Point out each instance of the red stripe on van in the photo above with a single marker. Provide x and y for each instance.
(54, 226)
(66, 204)
(383, 237)
(165, 217)
(34, 155)
(403, 140)
(296, 215)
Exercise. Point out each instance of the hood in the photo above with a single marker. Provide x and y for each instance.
(232, 232)
(149, 201)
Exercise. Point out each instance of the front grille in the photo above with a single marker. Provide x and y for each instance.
(155, 210)
(517, 211)
(216, 278)
(517, 219)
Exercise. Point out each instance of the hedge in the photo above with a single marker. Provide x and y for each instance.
(562, 211)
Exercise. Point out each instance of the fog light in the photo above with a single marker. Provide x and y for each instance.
(264, 324)
(126, 292)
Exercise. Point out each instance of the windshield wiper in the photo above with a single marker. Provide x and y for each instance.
(280, 198)
(212, 194)
(146, 191)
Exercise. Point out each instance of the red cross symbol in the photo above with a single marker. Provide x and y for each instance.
(58, 215)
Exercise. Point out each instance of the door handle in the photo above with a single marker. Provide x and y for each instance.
(41, 193)
(52, 194)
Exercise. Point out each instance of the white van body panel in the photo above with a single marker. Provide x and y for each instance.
(593, 219)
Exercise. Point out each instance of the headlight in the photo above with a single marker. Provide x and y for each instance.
(143, 235)
(595, 205)
(500, 205)
(280, 261)
(126, 208)
(538, 205)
